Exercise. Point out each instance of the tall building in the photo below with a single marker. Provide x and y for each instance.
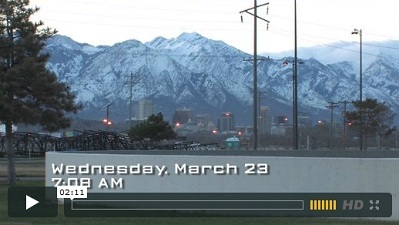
(203, 120)
(182, 116)
(264, 120)
(226, 122)
(281, 120)
(145, 109)
(304, 119)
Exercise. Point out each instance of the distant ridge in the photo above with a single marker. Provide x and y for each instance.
(210, 77)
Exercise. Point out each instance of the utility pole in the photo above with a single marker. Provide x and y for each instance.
(294, 111)
(344, 123)
(108, 123)
(296, 145)
(257, 108)
(260, 97)
(256, 17)
(331, 106)
(133, 81)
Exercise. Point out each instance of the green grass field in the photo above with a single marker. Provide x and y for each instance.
(26, 167)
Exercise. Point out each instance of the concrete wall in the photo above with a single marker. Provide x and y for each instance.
(285, 174)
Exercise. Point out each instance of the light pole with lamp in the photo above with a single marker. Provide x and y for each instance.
(107, 121)
(359, 32)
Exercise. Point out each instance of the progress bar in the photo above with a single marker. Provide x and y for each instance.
(194, 204)
(231, 204)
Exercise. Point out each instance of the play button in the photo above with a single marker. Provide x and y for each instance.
(32, 202)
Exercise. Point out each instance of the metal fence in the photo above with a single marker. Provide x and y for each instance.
(34, 144)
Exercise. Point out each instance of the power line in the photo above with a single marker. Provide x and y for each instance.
(216, 12)
(140, 6)
(219, 26)
(239, 56)
(214, 22)
(135, 17)
(338, 47)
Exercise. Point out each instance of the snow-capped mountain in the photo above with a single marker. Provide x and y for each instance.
(209, 77)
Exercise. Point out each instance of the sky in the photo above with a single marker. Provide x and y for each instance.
(320, 22)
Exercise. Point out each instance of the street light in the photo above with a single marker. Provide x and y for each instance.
(107, 122)
(359, 32)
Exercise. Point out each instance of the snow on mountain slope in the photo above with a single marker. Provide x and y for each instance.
(210, 77)
(68, 57)
(382, 78)
(108, 75)
(213, 59)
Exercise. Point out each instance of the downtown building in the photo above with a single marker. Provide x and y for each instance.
(145, 109)
(203, 120)
(182, 116)
(226, 122)
(264, 120)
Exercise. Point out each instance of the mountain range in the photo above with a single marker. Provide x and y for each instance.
(211, 77)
